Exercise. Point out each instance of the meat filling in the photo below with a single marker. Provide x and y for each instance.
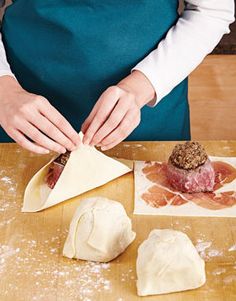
(189, 169)
(56, 169)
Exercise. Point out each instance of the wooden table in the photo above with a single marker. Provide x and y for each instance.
(31, 262)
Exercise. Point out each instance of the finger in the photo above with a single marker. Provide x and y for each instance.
(25, 143)
(127, 125)
(88, 120)
(33, 133)
(111, 91)
(84, 126)
(48, 128)
(59, 121)
(112, 122)
(106, 104)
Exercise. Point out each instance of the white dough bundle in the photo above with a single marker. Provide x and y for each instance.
(168, 262)
(99, 231)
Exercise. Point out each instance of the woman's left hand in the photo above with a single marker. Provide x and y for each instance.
(117, 112)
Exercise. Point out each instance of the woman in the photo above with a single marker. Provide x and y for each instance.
(76, 58)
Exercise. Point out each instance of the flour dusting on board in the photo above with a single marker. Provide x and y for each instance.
(8, 182)
(81, 279)
(206, 251)
(50, 274)
(215, 253)
(40, 261)
(230, 279)
(6, 253)
(201, 247)
(232, 248)
(219, 271)
(8, 197)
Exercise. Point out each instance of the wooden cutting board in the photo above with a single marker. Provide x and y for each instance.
(31, 262)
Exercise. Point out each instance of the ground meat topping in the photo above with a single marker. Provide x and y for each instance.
(189, 155)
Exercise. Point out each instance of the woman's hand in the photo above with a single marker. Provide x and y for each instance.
(117, 112)
(115, 115)
(26, 116)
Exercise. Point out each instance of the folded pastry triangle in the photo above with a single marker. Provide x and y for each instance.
(86, 169)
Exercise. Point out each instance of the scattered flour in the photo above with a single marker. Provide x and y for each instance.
(8, 202)
(8, 183)
(186, 227)
(228, 149)
(6, 222)
(6, 252)
(178, 226)
(229, 279)
(201, 247)
(218, 271)
(6, 180)
(215, 253)
(127, 276)
(38, 262)
(232, 248)
(204, 251)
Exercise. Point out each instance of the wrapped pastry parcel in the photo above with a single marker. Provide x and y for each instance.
(100, 231)
(65, 177)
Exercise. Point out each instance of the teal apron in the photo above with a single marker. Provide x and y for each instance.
(70, 51)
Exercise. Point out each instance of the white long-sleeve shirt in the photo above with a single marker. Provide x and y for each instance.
(198, 30)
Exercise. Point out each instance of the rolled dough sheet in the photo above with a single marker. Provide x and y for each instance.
(153, 195)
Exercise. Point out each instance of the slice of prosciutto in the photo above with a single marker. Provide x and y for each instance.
(161, 193)
(56, 169)
(200, 179)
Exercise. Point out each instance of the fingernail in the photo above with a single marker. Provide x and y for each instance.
(86, 141)
(46, 151)
(78, 139)
(103, 148)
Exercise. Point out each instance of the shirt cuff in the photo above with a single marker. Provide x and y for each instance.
(7, 72)
(146, 67)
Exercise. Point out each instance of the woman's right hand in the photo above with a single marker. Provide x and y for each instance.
(24, 115)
